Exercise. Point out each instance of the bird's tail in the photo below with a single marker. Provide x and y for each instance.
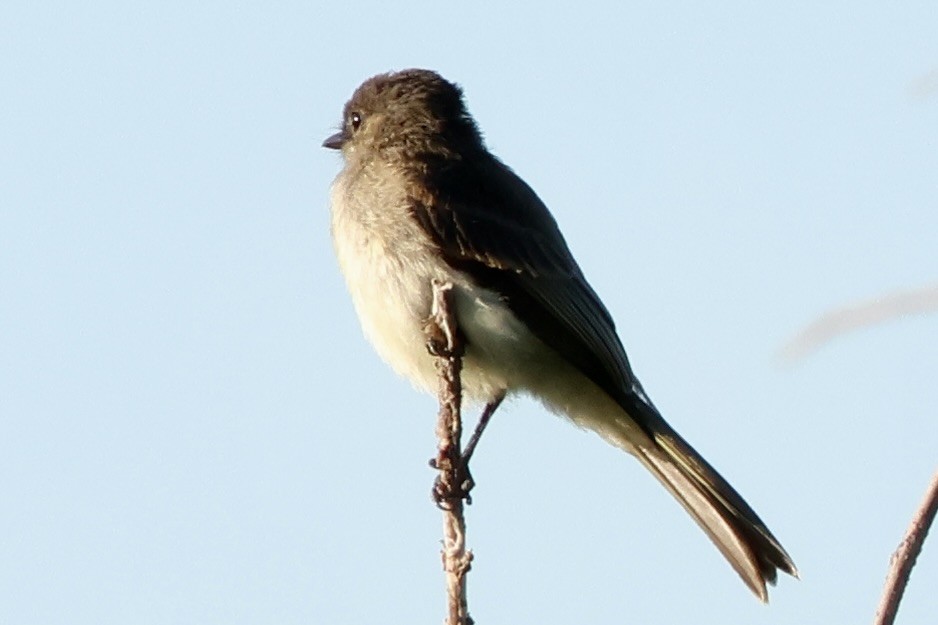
(731, 524)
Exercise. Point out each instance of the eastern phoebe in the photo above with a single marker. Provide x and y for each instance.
(421, 198)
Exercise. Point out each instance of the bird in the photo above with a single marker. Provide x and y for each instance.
(419, 199)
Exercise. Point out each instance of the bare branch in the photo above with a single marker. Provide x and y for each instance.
(904, 557)
(847, 318)
(451, 485)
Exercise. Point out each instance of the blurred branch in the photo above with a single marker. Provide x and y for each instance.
(451, 487)
(904, 557)
(848, 318)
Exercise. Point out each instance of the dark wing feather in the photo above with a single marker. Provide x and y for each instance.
(488, 223)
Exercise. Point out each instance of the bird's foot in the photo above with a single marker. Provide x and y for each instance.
(453, 483)
(439, 344)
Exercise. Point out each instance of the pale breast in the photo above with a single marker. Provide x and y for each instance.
(387, 268)
(389, 264)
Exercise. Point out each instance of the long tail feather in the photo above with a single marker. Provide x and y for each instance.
(731, 524)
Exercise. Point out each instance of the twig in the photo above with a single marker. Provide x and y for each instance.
(904, 557)
(861, 314)
(449, 491)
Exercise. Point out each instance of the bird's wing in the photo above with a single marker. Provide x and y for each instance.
(491, 225)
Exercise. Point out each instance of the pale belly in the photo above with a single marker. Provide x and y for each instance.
(390, 267)
(393, 299)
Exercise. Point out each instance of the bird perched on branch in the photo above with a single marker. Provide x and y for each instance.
(419, 199)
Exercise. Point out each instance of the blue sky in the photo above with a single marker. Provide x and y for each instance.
(193, 430)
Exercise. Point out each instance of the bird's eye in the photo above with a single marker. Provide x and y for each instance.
(355, 119)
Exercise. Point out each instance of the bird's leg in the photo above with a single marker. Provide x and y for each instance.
(462, 471)
(464, 482)
(487, 413)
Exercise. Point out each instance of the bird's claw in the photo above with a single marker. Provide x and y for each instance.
(445, 491)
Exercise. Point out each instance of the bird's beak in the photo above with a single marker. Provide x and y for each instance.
(336, 141)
